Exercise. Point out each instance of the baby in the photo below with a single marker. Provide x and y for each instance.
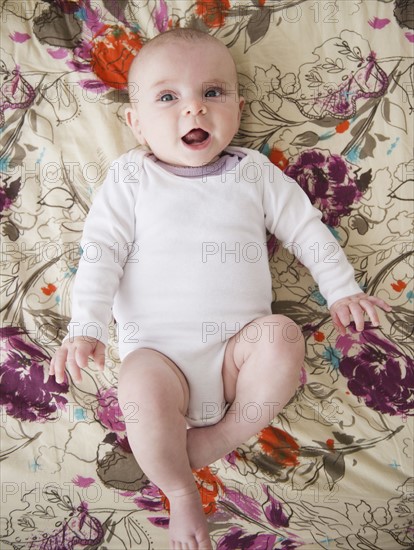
(174, 247)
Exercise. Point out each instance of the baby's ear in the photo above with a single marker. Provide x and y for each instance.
(132, 120)
(241, 104)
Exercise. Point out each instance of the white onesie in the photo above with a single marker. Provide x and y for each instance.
(183, 262)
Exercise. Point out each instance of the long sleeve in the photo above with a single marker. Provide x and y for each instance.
(290, 216)
(107, 239)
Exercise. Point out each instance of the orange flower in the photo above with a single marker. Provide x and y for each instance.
(112, 52)
(208, 485)
(399, 285)
(278, 158)
(49, 289)
(280, 446)
(319, 336)
(342, 127)
(213, 12)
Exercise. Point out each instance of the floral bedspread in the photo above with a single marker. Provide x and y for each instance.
(329, 88)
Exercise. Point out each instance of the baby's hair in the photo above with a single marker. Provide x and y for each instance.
(173, 35)
(180, 33)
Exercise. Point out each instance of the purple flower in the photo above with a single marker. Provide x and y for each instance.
(274, 511)
(344, 70)
(150, 499)
(15, 91)
(24, 393)
(109, 412)
(379, 372)
(329, 182)
(80, 529)
(8, 192)
(237, 539)
(81, 481)
(110, 415)
(161, 17)
(246, 504)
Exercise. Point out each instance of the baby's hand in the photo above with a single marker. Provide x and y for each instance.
(74, 354)
(355, 307)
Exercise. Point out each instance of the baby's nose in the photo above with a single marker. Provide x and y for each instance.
(195, 107)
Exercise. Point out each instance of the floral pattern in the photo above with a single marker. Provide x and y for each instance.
(112, 52)
(379, 373)
(334, 469)
(25, 394)
(328, 181)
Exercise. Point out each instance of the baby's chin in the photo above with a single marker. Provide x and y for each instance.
(188, 162)
(197, 165)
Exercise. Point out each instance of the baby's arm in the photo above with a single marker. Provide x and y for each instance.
(354, 307)
(297, 224)
(74, 354)
(109, 226)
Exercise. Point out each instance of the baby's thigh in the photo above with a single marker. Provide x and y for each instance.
(270, 341)
(150, 381)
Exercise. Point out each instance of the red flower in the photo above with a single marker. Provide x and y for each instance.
(49, 289)
(280, 446)
(213, 12)
(319, 336)
(278, 158)
(113, 51)
(342, 127)
(208, 485)
(399, 285)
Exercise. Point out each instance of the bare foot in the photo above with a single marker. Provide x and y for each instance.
(188, 525)
(205, 446)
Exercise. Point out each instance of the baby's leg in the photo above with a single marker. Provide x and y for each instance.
(153, 386)
(261, 373)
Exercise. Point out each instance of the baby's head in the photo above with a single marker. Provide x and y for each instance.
(185, 104)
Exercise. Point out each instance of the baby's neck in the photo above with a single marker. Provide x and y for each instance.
(214, 168)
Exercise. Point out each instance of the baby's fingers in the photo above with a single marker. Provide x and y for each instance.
(371, 311)
(78, 358)
(99, 355)
(58, 365)
(378, 302)
(370, 304)
(74, 362)
(52, 366)
(341, 320)
(357, 313)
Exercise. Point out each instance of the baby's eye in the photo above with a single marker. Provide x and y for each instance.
(213, 92)
(167, 97)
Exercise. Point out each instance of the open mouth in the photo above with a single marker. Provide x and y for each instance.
(196, 136)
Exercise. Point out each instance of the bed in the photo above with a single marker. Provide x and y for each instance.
(329, 89)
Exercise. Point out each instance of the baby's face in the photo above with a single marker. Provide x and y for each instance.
(185, 102)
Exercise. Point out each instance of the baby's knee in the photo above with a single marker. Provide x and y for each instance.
(136, 377)
(282, 351)
(151, 380)
(280, 337)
